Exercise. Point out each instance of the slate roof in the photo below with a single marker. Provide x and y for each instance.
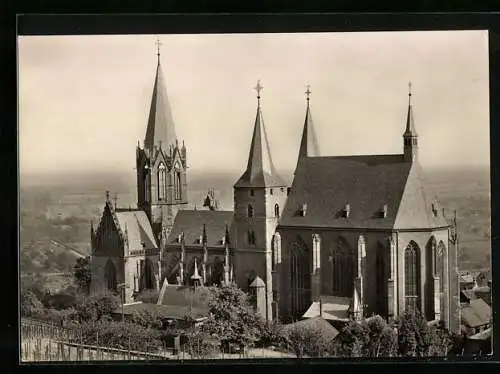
(135, 224)
(161, 128)
(260, 171)
(476, 313)
(191, 223)
(366, 183)
(165, 311)
(182, 296)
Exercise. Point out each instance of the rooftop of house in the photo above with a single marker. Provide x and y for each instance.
(476, 313)
(182, 296)
(137, 229)
(163, 311)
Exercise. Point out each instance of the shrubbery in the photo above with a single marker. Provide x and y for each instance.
(119, 335)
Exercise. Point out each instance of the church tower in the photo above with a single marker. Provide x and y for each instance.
(309, 143)
(410, 137)
(259, 197)
(161, 163)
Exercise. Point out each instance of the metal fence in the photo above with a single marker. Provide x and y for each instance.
(45, 341)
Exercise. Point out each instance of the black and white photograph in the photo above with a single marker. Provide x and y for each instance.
(254, 195)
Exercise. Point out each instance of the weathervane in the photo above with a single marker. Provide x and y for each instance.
(409, 90)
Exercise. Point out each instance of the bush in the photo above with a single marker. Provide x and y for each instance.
(199, 344)
(120, 335)
(148, 319)
(271, 335)
(96, 307)
(30, 304)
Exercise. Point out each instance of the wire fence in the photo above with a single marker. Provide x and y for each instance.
(44, 341)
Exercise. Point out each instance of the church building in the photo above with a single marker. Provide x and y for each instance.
(352, 236)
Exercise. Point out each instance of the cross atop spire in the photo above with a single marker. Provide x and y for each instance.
(409, 92)
(158, 45)
(308, 93)
(258, 88)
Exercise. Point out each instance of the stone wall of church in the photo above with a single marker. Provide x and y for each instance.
(423, 240)
(98, 266)
(247, 265)
(375, 241)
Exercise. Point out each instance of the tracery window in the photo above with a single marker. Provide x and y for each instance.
(276, 210)
(412, 276)
(316, 240)
(162, 182)
(110, 276)
(343, 259)
(300, 279)
(178, 185)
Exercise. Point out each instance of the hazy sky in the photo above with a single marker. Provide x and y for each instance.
(84, 100)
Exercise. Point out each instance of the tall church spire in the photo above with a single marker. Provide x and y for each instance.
(410, 137)
(260, 171)
(309, 143)
(161, 128)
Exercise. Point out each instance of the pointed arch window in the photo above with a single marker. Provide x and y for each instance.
(343, 265)
(276, 210)
(250, 210)
(162, 182)
(178, 185)
(110, 276)
(316, 240)
(301, 279)
(276, 248)
(412, 276)
(440, 271)
(381, 281)
(146, 188)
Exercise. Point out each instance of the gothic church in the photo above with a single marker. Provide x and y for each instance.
(352, 236)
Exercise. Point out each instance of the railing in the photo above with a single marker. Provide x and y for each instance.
(45, 341)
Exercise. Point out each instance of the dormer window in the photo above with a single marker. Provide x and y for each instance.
(347, 210)
(303, 210)
(384, 211)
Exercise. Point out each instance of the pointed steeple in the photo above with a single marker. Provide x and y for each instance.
(161, 128)
(260, 171)
(309, 142)
(410, 137)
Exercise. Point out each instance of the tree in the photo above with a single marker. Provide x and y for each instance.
(417, 339)
(309, 338)
(30, 304)
(233, 319)
(96, 307)
(83, 274)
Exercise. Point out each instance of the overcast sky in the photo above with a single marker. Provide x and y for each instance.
(84, 100)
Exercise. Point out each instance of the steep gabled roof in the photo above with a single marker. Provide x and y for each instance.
(161, 128)
(260, 171)
(327, 184)
(476, 313)
(191, 223)
(367, 183)
(135, 226)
